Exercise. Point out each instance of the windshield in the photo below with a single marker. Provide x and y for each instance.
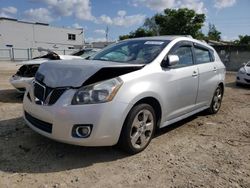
(132, 51)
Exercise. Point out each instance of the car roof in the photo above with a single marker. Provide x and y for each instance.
(164, 37)
(173, 37)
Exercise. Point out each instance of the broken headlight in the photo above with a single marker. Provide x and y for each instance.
(97, 93)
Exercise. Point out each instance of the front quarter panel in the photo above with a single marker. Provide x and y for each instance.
(141, 84)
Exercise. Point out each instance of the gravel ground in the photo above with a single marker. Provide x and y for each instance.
(201, 151)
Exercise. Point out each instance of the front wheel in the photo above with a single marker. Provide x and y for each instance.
(138, 129)
(216, 101)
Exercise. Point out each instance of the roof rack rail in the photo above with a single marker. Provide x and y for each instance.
(189, 36)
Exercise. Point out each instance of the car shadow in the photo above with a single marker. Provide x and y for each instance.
(24, 151)
(10, 96)
(234, 86)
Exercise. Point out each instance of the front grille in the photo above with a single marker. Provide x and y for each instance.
(56, 94)
(48, 94)
(39, 91)
(42, 125)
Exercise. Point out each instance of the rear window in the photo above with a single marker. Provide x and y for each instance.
(202, 55)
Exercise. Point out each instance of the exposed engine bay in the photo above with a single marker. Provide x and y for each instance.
(50, 56)
(27, 70)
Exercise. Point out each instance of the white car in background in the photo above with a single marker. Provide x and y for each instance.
(25, 74)
(243, 75)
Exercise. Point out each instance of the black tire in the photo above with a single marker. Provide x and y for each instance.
(130, 131)
(216, 101)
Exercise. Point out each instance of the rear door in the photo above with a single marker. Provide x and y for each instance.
(208, 77)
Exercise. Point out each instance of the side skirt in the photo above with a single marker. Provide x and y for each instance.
(169, 122)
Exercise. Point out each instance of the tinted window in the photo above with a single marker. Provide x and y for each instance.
(133, 51)
(202, 55)
(185, 56)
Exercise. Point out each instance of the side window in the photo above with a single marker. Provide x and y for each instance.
(185, 56)
(202, 55)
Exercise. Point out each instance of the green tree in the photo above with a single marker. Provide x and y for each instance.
(150, 25)
(123, 37)
(172, 22)
(244, 40)
(213, 33)
(180, 22)
(140, 32)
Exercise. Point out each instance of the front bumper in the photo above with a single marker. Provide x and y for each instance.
(20, 83)
(243, 78)
(106, 119)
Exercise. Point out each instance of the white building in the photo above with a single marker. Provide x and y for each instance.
(16, 35)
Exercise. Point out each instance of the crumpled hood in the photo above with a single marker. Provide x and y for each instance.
(33, 61)
(73, 73)
(42, 60)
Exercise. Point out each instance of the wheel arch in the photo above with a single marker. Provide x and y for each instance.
(152, 101)
(221, 84)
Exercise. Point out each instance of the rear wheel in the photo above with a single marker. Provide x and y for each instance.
(138, 129)
(216, 101)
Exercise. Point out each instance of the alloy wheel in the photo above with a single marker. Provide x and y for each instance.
(217, 99)
(142, 129)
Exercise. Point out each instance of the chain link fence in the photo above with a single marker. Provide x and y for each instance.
(20, 54)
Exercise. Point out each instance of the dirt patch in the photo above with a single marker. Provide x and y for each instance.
(201, 151)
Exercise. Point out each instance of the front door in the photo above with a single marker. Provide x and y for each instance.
(181, 82)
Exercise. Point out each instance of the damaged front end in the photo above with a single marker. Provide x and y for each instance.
(94, 81)
(24, 76)
(27, 71)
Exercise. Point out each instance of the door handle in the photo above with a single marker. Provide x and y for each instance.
(195, 73)
(215, 69)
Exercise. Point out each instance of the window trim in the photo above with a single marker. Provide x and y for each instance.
(182, 44)
(201, 47)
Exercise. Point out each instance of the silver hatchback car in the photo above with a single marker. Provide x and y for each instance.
(125, 92)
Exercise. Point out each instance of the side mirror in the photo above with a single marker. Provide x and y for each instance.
(170, 60)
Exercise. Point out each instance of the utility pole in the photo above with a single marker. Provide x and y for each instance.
(107, 33)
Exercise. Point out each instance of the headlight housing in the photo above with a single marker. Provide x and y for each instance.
(242, 71)
(99, 92)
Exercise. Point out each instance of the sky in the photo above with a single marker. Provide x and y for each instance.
(231, 17)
